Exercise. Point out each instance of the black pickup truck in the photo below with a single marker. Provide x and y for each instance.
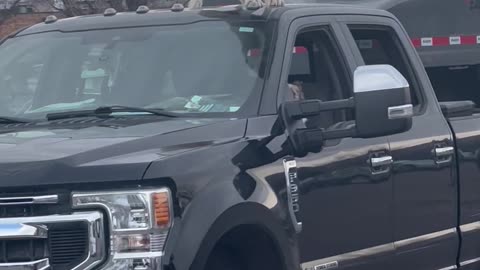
(232, 138)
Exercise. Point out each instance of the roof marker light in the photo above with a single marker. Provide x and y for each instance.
(51, 19)
(142, 9)
(177, 7)
(110, 12)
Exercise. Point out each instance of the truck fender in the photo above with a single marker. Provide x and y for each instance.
(215, 211)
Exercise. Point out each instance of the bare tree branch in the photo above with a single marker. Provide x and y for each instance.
(134, 4)
(119, 5)
(91, 7)
(14, 6)
(52, 5)
(74, 8)
(8, 12)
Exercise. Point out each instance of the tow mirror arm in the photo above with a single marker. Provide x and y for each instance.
(308, 139)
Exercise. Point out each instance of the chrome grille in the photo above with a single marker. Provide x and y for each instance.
(54, 242)
(17, 211)
(67, 245)
(28, 206)
(13, 251)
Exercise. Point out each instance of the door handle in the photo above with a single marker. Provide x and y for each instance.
(381, 161)
(444, 155)
(444, 151)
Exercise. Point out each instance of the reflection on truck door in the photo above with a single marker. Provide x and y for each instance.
(424, 192)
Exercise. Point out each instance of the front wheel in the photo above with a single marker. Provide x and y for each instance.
(223, 258)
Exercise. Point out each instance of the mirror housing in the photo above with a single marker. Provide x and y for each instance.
(383, 105)
(381, 102)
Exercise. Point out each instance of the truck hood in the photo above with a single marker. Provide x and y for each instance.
(101, 151)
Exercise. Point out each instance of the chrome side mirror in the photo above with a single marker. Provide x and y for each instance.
(383, 104)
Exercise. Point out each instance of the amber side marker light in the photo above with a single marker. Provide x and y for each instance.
(162, 209)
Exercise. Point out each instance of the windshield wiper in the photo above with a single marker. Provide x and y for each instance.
(13, 120)
(106, 111)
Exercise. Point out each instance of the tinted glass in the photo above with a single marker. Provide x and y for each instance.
(381, 46)
(206, 67)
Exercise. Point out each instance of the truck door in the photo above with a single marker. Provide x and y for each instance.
(467, 133)
(424, 189)
(346, 199)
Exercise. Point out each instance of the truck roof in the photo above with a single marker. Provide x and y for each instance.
(372, 4)
(167, 17)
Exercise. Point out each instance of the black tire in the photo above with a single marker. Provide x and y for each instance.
(224, 259)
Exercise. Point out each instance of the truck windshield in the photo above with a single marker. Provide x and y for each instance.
(204, 67)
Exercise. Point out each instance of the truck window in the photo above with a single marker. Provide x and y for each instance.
(380, 45)
(456, 83)
(150, 67)
(319, 71)
(20, 78)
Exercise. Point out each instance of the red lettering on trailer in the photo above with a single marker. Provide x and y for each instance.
(446, 41)
(441, 41)
(469, 40)
(416, 42)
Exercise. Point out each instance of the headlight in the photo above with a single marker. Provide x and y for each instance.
(139, 225)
